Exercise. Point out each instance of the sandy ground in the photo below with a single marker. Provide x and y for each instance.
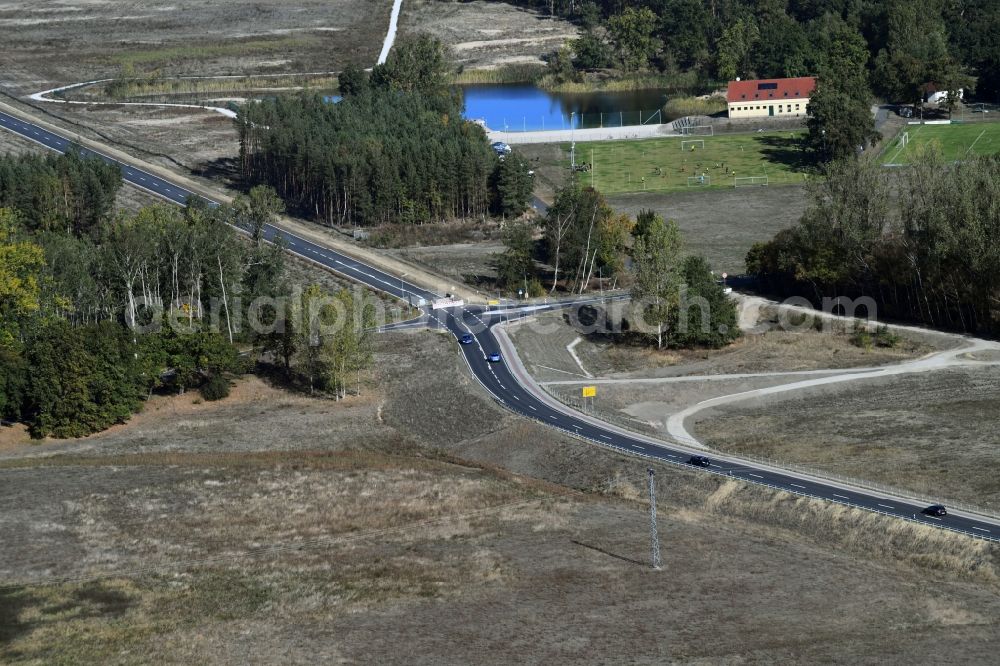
(484, 35)
(273, 527)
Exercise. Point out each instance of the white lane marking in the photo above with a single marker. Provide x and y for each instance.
(670, 455)
(932, 517)
(605, 437)
(553, 417)
(797, 485)
(756, 475)
(886, 506)
(533, 407)
(515, 397)
(636, 446)
(981, 529)
(841, 496)
(501, 385)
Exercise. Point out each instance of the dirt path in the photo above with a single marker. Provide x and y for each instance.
(972, 352)
(390, 36)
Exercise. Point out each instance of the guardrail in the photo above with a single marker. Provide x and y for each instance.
(860, 484)
(729, 475)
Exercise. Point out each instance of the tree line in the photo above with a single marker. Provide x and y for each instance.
(923, 243)
(908, 43)
(394, 149)
(96, 313)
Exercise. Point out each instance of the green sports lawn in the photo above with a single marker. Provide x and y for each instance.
(956, 141)
(621, 166)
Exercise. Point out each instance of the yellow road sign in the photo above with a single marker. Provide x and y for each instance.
(589, 391)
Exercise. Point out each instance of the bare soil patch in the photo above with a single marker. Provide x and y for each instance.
(470, 263)
(485, 35)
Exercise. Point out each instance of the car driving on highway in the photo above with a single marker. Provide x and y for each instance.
(935, 510)
(700, 461)
(494, 357)
(466, 339)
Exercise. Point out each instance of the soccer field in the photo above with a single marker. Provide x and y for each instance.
(699, 163)
(956, 142)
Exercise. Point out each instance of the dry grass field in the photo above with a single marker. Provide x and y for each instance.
(486, 35)
(224, 37)
(542, 340)
(720, 224)
(432, 526)
(205, 38)
(932, 433)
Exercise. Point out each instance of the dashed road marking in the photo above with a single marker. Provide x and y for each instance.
(796, 485)
(841, 496)
(886, 506)
(981, 529)
(756, 475)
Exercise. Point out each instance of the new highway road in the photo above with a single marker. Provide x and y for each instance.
(506, 381)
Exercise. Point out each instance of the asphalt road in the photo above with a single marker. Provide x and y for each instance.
(513, 392)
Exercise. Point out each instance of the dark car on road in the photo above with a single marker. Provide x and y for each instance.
(700, 461)
(935, 510)
(494, 357)
(466, 339)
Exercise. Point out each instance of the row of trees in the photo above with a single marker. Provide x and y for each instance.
(395, 149)
(908, 43)
(923, 244)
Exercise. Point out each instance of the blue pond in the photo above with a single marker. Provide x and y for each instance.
(518, 108)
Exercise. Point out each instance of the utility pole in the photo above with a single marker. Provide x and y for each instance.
(653, 536)
(572, 136)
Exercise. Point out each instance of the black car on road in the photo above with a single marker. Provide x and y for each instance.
(700, 461)
(935, 510)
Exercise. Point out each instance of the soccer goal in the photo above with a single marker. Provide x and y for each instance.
(749, 181)
(698, 130)
(904, 139)
(691, 144)
(699, 181)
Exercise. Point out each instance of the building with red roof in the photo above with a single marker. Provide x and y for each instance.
(778, 98)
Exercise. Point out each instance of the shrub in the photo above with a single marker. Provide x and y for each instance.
(861, 336)
(678, 107)
(886, 338)
(216, 388)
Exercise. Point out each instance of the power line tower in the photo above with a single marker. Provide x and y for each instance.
(653, 536)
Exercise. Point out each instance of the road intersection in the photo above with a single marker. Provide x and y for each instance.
(510, 384)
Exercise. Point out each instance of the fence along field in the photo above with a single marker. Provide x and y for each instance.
(957, 141)
(692, 162)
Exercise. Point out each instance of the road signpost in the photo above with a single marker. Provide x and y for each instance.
(589, 392)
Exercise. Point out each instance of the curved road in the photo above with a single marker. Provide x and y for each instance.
(511, 386)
